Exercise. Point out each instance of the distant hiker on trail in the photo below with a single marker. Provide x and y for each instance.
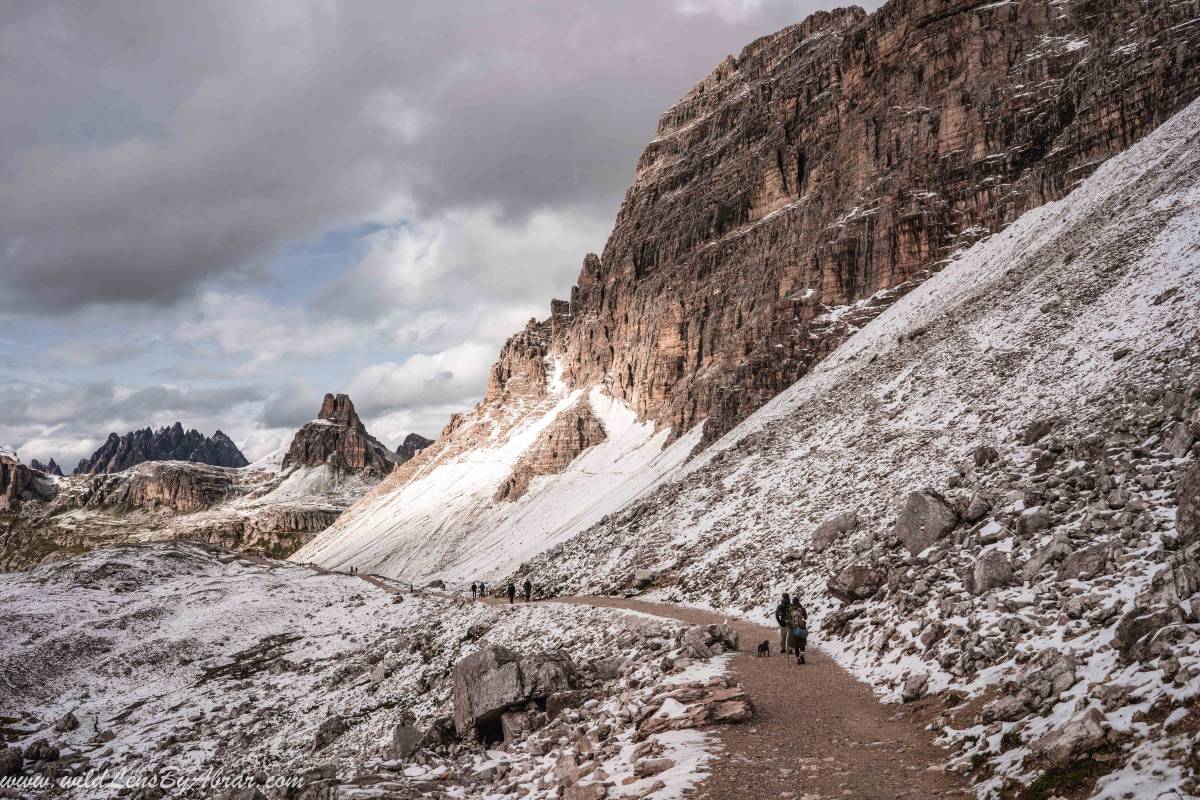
(512, 592)
(474, 590)
(528, 590)
(797, 620)
(781, 612)
(482, 590)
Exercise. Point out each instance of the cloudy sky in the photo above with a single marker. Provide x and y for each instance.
(216, 212)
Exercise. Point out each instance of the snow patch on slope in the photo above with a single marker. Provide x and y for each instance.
(445, 524)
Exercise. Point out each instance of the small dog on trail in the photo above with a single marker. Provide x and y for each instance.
(764, 649)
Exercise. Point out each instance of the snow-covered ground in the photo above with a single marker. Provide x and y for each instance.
(177, 658)
(445, 523)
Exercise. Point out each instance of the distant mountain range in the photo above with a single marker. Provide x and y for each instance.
(166, 444)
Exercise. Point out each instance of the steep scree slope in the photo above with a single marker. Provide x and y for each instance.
(789, 198)
(988, 492)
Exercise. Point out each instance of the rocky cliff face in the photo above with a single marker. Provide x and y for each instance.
(412, 444)
(833, 165)
(18, 483)
(990, 492)
(172, 486)
(795, 194)
(337, 437)
(572, 431)
(165, 444)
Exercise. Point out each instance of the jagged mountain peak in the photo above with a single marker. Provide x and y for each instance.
(412, 444)
(168, 443)
(340, 409)
(50, 469)
(338, 438)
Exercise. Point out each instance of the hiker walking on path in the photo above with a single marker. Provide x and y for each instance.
(797, 629)
(781, 612)
(528, 587)
(474, 590)
(512, 592)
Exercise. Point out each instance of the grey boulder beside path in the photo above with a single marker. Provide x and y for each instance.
(495, 679)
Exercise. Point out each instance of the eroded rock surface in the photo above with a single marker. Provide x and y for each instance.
(337, 437)
(573, 431)
(815, 177)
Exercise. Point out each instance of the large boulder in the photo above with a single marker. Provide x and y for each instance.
(327, 731)
(925, 518)
(1178, 581)
(406, 740)
(1187, 491)
(492, 680)
(991, 570)
(10, 761)
(1086, 563)
(1035, 431)
(67, 722)
(1136, 629)
(710, 640)
(856, 582)
(1178, 439)
(1077, 737)
(833, 529)
(1057, 548)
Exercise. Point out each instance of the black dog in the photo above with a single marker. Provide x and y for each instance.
(764, 649)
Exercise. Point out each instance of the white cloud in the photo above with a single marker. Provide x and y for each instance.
(454, 377)
(259, 332)
(466, 258)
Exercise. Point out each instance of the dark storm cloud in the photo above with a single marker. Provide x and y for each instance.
(153, 147)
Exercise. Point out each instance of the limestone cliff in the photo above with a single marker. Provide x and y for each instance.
(836, 164)
(338, 438)
(792, 196)
(572, 431)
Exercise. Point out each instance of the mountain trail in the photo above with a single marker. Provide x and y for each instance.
(818, 733)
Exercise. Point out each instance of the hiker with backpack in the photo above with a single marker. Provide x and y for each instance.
(528, 589)
(512, 592)
(781, 611)
(797, 630)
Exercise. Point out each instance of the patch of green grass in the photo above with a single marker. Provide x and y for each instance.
(1009, 740)
(1077, 779)
(953, 699)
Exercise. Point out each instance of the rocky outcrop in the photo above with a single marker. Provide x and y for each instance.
(925, 518)
(338, 438)
(412, 444)
(833, 529)
(166, 444)
(821, 173)
(18, 483)
(50, 469)
(492, 680)
(855, 582)
(1188, 510)
(991, 570)
(573, 431)
(169, 485)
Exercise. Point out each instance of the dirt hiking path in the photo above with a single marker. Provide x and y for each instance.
(818, 733)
